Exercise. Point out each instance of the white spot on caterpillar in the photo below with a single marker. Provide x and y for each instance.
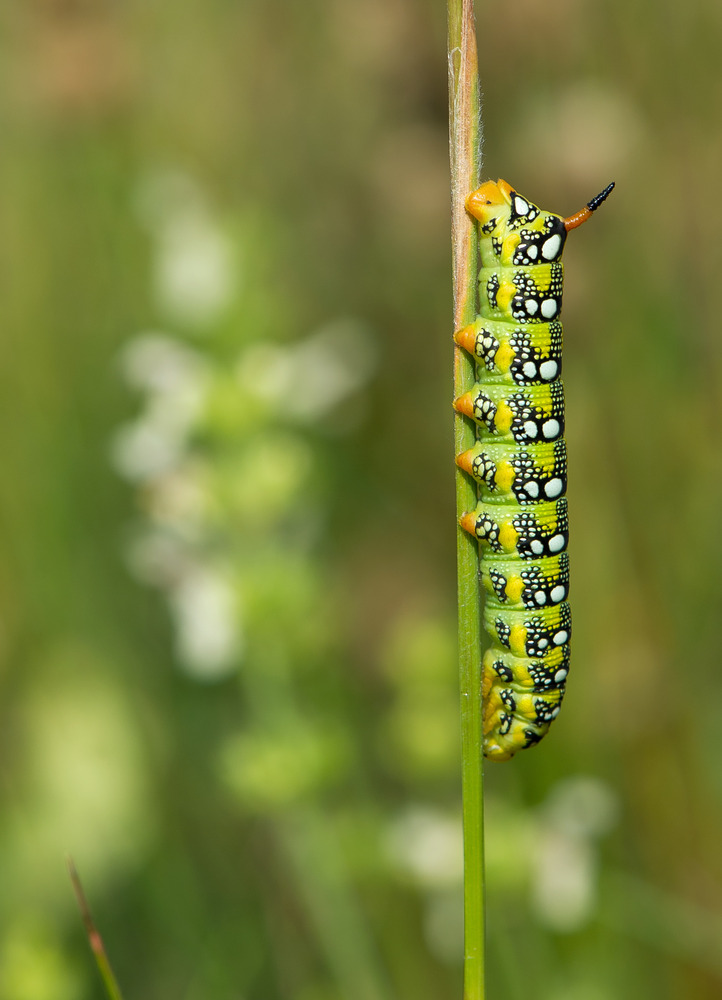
(550, 248)
(532, 488)
(537, 547)
(543, 643)
(531, 306)
(550, 429)
(521, 206)
(560, 675)
(553, 488)
(548, 370)
(549, 308)
(530, 429)
(532, 252)
(540, 597)
(556, 544)
(555, 713)
(529, 369)
(558, 594)
(561, 637)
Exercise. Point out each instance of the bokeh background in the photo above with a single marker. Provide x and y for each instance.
(227, 582)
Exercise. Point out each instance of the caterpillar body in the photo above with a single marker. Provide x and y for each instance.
(520, 463)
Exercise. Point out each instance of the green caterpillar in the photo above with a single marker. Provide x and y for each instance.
(520, 463)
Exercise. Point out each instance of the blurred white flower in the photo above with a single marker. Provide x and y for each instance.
(180, 500)
(309, 378)
(205, 610)
(582, 805)
(428, 846)
(564, 880)
(565, 860)
(195, 270)
(157, 557)
(175, 379)
(159, 362)
(140, 450)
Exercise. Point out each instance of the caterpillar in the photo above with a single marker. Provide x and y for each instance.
(520, 463)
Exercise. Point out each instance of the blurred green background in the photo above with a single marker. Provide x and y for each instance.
(227, 573)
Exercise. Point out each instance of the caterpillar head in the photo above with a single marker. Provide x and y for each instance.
(497, 201)
(516, 232)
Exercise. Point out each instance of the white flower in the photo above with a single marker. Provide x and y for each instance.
(141, 450)
(160, 363)
(206, 614)
(157, 557)
(565, 861)
(313, 376)
(428, 845)
(195, 272)
(176, 380)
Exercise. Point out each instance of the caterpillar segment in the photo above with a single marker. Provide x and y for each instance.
(519, 463)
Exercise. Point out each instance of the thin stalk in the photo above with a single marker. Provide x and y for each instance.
(465, 149)
(94, 938)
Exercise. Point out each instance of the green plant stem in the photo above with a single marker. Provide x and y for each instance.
(94, 938)
(465, 149)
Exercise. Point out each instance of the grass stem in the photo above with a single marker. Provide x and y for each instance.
(465, 152)
(94, 938)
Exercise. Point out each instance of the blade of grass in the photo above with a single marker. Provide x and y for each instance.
(465, 154)
(94, 938)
